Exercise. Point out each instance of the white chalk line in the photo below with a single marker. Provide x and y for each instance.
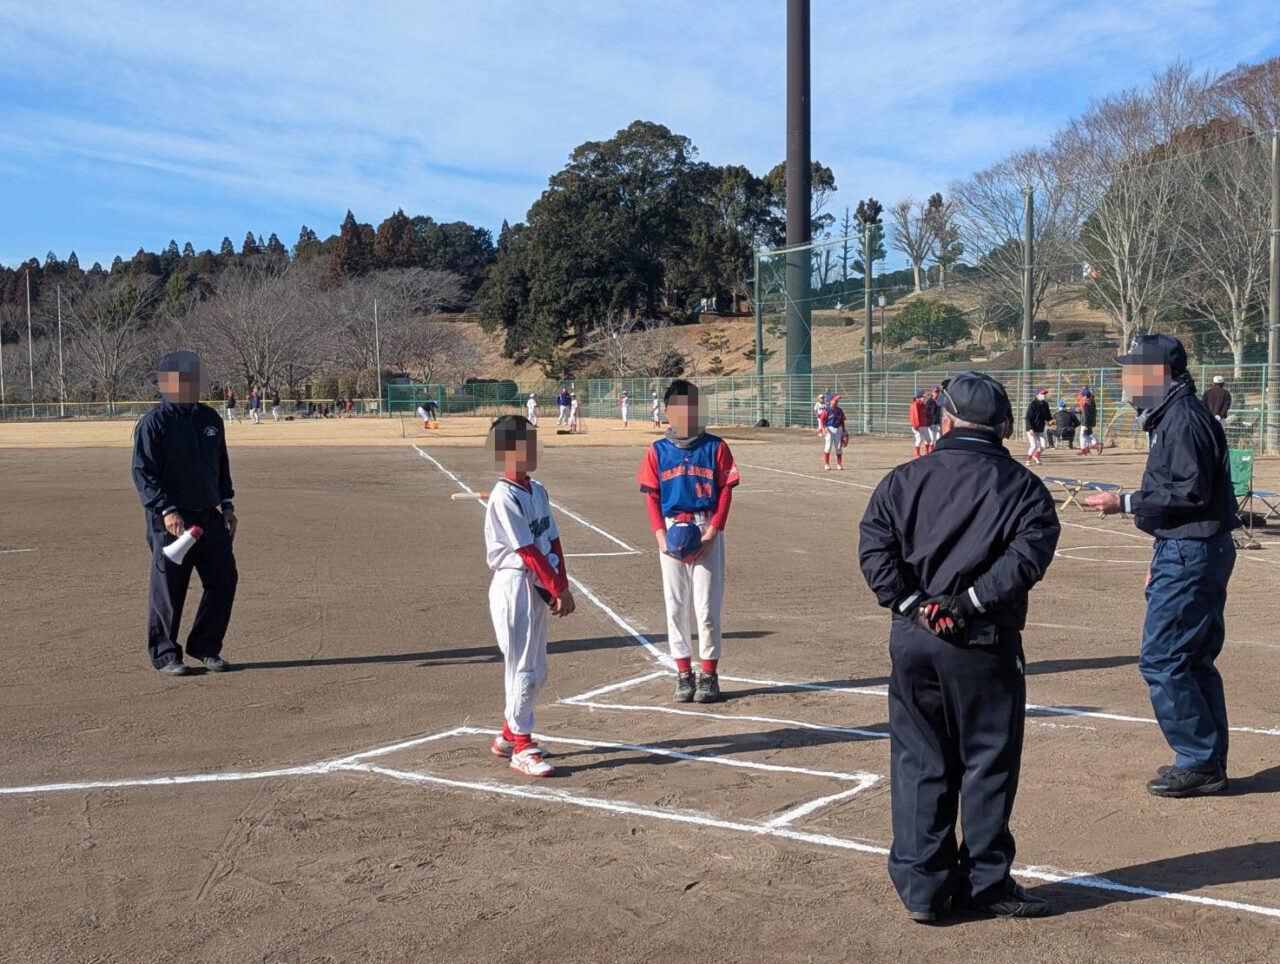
(811, 478)
(614, 687)
(308, 769)
(805, 809)
(626, 627)
(9, 552)
(555, 795)
(1069, 553)
(675, 711)
(593, 527)
(599, 555)
(862, 778)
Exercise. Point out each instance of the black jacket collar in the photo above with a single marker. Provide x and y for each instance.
(970, 440)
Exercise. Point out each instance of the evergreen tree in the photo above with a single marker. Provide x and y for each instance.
(308, 245)
(353, 254)
(250, 246)
(73, 263)
(188, 251)
(228, 249)
(275, 249)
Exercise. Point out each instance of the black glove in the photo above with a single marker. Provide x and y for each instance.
(946, 615)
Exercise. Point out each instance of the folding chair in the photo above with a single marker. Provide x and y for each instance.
(1071, 487)
(1241, 465)
(1271, 500)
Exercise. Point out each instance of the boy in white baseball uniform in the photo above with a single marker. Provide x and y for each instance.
(624, 403)
(531, 409)
(688, 477)
(573, 412)
(522, 547)
(655, 410)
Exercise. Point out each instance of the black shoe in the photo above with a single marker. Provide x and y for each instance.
(685, 686)
(1015, 903)
(1177, 782)
(216, 664)
(929, 916)
(708, 689)
(176, 668)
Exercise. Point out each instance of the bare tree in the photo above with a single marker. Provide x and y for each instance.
(634, 347)
(1252, 93)
(940, 217)
(111, 346)
(989, 217)
(912, 235)
(1222, 229)
(1115, 162)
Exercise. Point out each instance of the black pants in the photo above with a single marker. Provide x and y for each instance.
(956, 715)
(211, 557)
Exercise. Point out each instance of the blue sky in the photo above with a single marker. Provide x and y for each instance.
(126, 124)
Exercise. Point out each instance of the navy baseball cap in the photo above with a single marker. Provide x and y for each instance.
(1158, 349)
(180, 361)
(977, 398)
(683, 539)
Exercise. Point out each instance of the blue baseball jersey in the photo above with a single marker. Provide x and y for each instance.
(688, 480)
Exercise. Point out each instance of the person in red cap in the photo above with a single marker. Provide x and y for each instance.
(921, 424)
(831, 423)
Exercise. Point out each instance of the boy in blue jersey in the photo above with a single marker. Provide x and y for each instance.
(688, 475)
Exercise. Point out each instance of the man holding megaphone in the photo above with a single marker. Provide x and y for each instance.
(183, 477)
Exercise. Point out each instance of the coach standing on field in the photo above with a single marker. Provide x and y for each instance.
(1186, 502)
(951, 543)
(183, 477)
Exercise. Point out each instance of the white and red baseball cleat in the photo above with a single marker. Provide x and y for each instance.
(501, 747)
(529, 762)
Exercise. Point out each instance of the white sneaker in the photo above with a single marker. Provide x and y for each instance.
(840, 467)
(501, 747)
(530, 763)
(826, 468)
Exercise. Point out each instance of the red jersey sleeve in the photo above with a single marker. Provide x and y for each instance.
(647, 477)
(726, 468)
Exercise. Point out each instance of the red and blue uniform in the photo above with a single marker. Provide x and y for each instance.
(691, 483)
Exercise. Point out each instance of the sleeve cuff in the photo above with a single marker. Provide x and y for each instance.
(168, 508)
(1126, 503)
(227, 504)
(973, 598)
(905, 606)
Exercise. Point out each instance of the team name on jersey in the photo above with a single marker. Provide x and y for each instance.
(701, 471)
(539, 526)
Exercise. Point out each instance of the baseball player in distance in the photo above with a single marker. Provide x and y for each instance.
(1037, 421)
(921, 430)
(522, 547)
(531, 409)
(688, 476)
(831, 426)
(624, 407)
(655, 411)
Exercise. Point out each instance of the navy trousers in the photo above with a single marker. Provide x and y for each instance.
(1181, 638)
(212, 558)
(956, 718)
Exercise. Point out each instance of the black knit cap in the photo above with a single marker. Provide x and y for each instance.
(977, 398)
(180, 361)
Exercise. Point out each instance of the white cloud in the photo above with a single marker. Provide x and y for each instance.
(463, 110)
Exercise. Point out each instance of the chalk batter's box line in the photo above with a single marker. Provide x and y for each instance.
(588, 700)
(353, 763)
(555, 795)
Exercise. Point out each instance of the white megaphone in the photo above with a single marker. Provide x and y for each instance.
(177, 550)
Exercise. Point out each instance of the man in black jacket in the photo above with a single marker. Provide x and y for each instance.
(1217, 399)
(1187, 503)
(1065, 424)
(952, 544)
(183, 477)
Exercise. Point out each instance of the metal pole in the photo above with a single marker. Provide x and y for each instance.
(377, 353)
(799, 337)
(31, 367)
(759, 313)
(62, 378)
(868, 347)
(1028, 260)
(1273, 302)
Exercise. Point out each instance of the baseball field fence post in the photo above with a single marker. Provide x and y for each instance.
(1271, 396)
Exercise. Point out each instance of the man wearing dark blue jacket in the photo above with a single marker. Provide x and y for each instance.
(952, 545)
(1186, 501)
(183, 477)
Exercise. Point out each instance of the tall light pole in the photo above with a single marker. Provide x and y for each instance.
(1028, 263)
(799, 172)
(62, 378)
(377, 353)
(31, 367)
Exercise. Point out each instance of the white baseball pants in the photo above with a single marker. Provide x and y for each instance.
(1036, 443)
(694, 593)
(520, 625)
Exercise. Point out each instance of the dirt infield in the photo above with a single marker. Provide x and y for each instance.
(335, 798)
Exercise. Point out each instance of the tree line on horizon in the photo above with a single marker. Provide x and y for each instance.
(1152, 204)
